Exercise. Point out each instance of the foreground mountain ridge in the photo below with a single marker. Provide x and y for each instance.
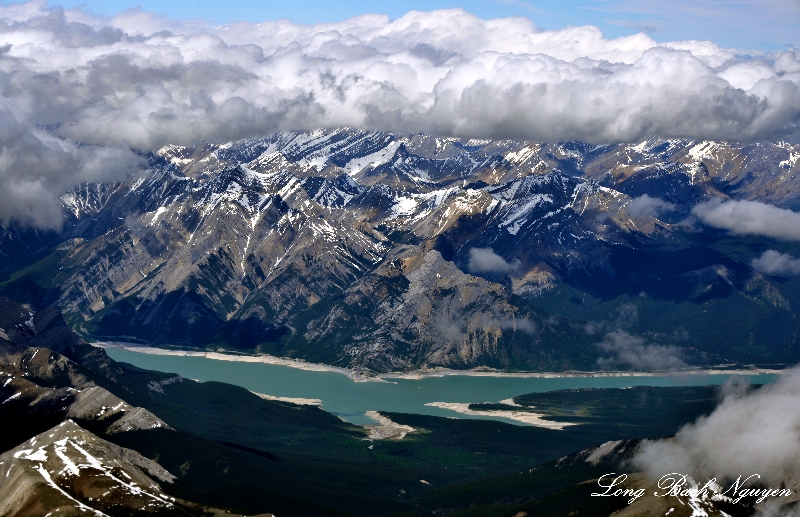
(69, 455)
(384, 252)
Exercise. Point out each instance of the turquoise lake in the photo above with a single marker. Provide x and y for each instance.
(350, 400)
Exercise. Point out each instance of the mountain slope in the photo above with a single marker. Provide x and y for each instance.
(290, 244)
(71, 471)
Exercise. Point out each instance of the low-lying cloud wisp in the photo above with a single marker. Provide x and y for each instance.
(776, 263)
(645, 205)
(632, 352)
(485, 260)
(750, 218)
(516, 324)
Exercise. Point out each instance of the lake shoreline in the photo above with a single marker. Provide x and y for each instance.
(418, 374)
(219, 356)
(526, 417)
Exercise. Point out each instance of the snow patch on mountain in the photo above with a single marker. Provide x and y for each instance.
(372, 160)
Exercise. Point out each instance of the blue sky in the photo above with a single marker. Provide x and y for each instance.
(743, 24)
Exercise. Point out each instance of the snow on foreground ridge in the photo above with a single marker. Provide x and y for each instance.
(52, 463)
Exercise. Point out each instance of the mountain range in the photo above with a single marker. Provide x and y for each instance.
(383, 252)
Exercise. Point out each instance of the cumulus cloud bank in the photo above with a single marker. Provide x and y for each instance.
(750, 218)
(36, 166)
(627, 351)
(485, 260)
(776, 263)
(140, 81)
(756, 432)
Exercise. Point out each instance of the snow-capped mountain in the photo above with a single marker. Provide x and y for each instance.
(68, 470)
(359, 248)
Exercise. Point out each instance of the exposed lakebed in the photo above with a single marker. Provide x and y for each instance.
(351, 400)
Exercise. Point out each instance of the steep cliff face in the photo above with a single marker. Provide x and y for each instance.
(419, 310)
(382, 251)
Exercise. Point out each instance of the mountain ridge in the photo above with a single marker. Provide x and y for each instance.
(243, 244)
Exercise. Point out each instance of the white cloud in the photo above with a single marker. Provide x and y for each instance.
(628, 351)
(750, 218)
(774, 262)
(138, 80)
(757, 432)
(516, 324)
(484, 260)
(35, 168)
(450, 329)
(645, 205)
(746, 75)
